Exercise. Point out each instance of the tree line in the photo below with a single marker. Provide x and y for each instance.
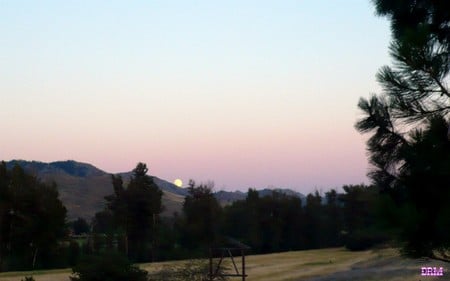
(272, 223)
(32, 221)
(35, 234)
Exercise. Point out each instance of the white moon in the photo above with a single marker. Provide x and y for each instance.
(178, 182)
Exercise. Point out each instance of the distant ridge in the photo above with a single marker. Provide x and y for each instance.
(70, 167)
(227, 197)
(77, 168)
(82, 187)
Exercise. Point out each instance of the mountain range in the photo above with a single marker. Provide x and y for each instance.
(82, 187)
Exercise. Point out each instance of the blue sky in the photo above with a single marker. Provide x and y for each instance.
(244, 93)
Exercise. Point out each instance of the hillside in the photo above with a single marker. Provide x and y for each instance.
(82, 187)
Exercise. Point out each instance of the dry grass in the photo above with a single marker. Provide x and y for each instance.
(303, 264)
(317, 265)
(42, 275)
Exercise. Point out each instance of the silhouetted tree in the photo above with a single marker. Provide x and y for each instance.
(136, 212)
(426, 178)
(80, 226)
(359, 217)
(252, 214)
(202, 215)
(415, 101)
(103, 222)
(237, 222)
(333, 223)
(313, 220)
(409, 17)
(291, 219)
(32, 218)
(271, 223)
(417, 208)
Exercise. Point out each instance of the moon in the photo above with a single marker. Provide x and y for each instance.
(178, 182)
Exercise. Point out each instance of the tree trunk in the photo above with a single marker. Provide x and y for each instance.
(126, 245)
(1, 260)
(34, 257)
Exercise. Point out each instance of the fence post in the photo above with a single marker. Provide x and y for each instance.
(243, 264)
(210, 264)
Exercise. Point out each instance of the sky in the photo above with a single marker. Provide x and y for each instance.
(242, 93)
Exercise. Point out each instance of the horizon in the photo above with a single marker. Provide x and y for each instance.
(184, 185)
(251, 94)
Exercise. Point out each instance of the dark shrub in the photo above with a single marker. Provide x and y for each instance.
(74, 253)
(363, 240)
(109, 266)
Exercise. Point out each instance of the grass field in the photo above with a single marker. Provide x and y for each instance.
(335, 264)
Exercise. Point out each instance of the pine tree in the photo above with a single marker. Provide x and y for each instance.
(403, 121)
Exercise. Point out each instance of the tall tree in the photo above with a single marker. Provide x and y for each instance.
(313, 220)
(422, 194)
(32, 218)
(144, 207)
(270, 223)
(415, 97)
(409, 16)
(4, 210)
(203, 215)
(359, 217)
(80, 226)
(333, 219)
(136, 211)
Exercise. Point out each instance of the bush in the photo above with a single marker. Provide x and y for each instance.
(363, 240)
(74, 252)
(109, 266)
(28, 278)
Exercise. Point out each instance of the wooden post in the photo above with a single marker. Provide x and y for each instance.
(243, 264)
(215, 272)
(34, 258)
(210, 264)
(126, 245)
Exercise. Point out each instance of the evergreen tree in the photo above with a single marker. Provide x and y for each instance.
(359, 217)
(313, 221)
(80, 226)
(136, 212)
(409, 16)
(417, 209)
(267, 224)
(415, 100)
(32, 219)
(333, 219)
(202, 217)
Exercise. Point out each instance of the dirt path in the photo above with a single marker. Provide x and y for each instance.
(389, 269)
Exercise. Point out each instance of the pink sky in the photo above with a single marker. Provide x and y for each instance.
(245, 95)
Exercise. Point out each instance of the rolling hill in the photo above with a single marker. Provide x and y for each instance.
(82, 187)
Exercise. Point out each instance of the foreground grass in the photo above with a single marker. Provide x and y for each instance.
(317, 265)
(39, 275)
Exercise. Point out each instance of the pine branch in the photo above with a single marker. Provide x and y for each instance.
(443, 90)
